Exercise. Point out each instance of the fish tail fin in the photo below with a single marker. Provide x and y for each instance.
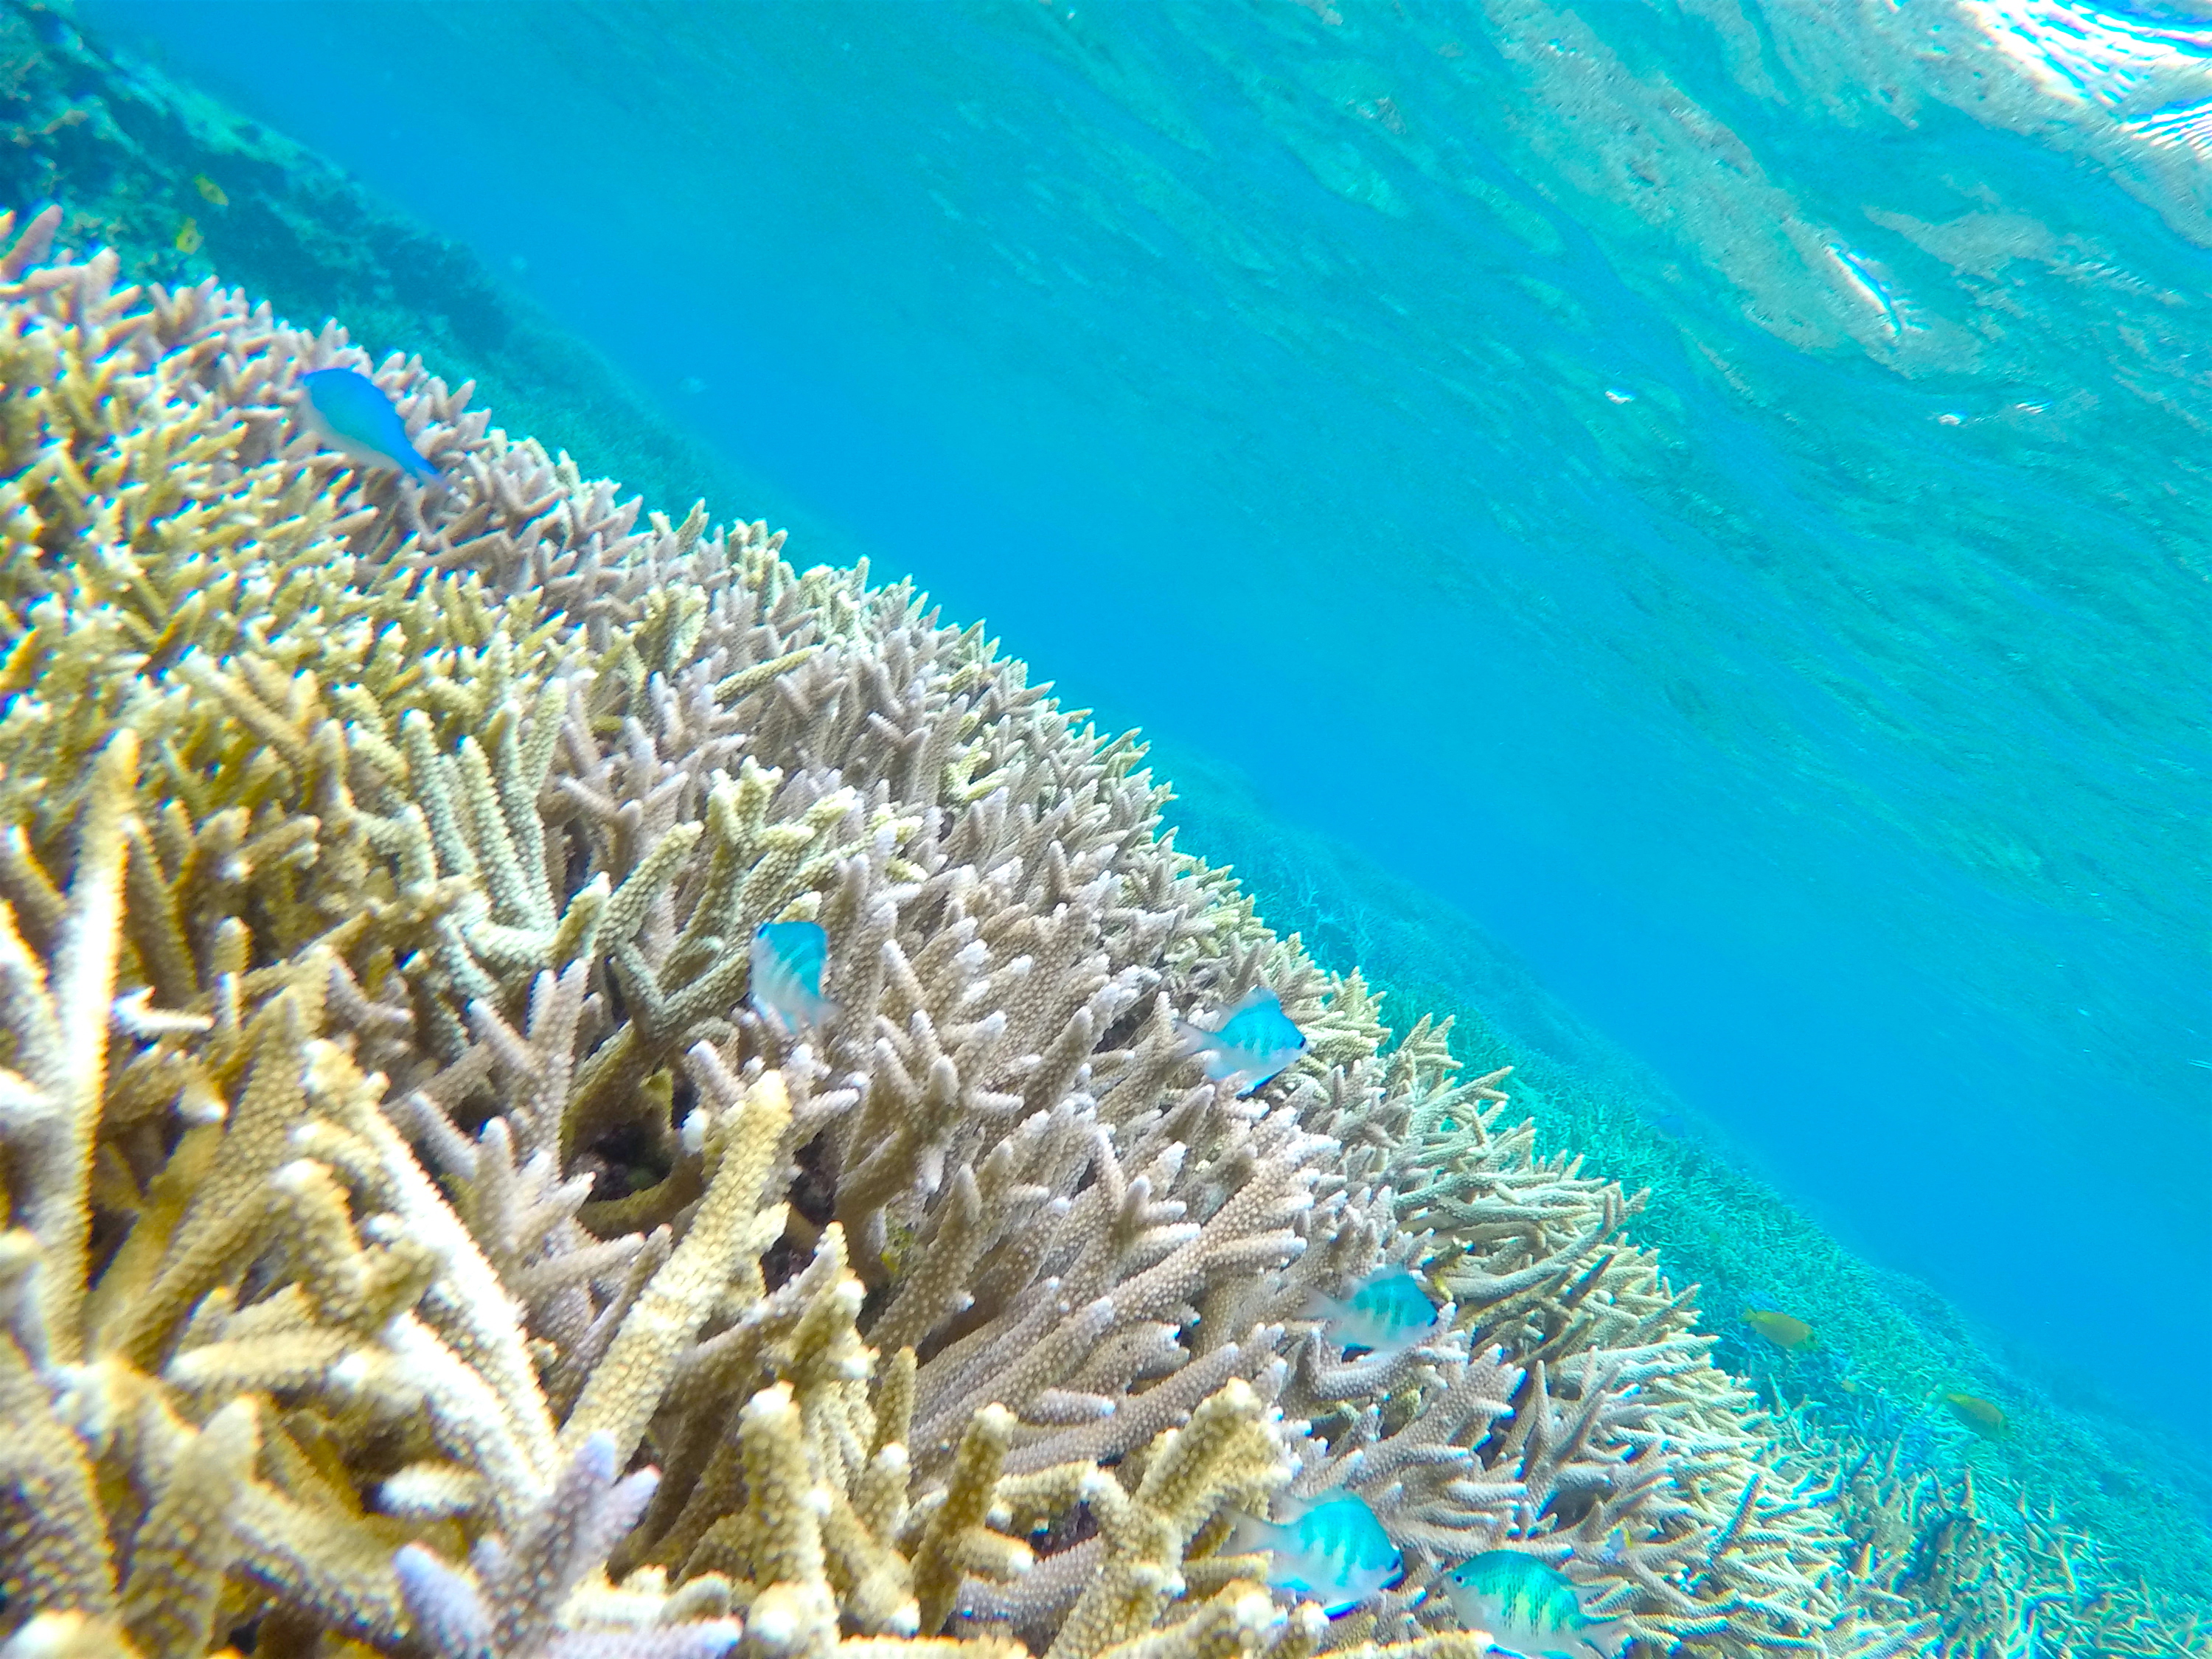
(1207, 1047)
(1320, 1305)
(770, 995)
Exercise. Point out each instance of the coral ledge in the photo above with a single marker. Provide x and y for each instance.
(416, 1244)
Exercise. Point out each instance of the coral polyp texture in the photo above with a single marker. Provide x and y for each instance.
(416, 1243)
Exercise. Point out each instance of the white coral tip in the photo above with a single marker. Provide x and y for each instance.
(350, 1373)
(1256, 1613)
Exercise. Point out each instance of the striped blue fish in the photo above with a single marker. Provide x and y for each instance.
(1528, 1609)
(1389, 1313)
(1255, 1041)
(1336, 1553)
(786, 988)
(349, 413)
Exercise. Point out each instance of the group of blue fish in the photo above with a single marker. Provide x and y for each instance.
(1338, 1555)
(1253, 1044)
(1336, 1552)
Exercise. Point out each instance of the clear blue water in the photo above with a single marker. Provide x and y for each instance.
(1719, 493)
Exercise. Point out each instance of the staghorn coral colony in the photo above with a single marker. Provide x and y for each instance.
(417, 1244)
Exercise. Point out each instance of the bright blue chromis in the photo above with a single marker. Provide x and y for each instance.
(1528, 1609)
(1336, 1553)
(1389, 1313)
(787, 973)
(349, 413)
(1256, 1041)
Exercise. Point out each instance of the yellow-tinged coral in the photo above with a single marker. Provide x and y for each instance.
(397, 1175)
(1223, 1454)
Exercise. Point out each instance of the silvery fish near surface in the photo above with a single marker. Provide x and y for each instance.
(1256, 1041)
(349, 412)
(1336, 1553)
(1389, 1313)
(1528, 1609)
(786, 988)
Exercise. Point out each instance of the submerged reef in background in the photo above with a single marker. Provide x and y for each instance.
(135, 154)
(397, 1174)
(2078, 1529)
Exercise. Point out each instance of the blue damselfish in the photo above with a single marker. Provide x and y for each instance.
(787, 973)
(1256, 1041)
(349, 412)
(1336, 1553)
(1528, 1609)
(1387, 1314)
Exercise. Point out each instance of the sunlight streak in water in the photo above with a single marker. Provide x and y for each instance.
(2084, 54)
(1855, 272)
(2188, 128)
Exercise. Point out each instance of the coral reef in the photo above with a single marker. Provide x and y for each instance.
(2078, 1531)
(415, 1242)
(1999, 1572)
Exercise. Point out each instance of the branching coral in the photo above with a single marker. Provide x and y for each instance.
(416, 1238)
(1997, 1574)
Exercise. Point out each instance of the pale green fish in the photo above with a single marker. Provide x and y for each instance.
(786, 974)
(1389, 1313)
(1781, 1329)
(1528, 1609)
(1984, 1417)
(1256, 1041)
(1336, 1553)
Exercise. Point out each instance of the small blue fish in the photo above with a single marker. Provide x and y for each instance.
(787, 973)
(1389, 1313)
(1528, 1609)
(349, 413)
(1336, 1553)
(1256, 1041)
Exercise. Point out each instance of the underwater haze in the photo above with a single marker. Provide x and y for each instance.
(1715, 492)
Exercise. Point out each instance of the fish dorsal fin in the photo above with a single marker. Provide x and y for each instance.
(1251, 999)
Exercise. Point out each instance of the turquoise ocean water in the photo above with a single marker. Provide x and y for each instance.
(1717, 493)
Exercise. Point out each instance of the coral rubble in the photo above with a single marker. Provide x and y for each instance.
(416, 1243)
